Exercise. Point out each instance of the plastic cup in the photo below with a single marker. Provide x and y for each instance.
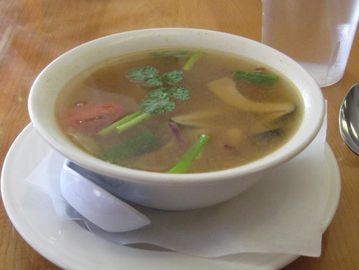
(316, 33)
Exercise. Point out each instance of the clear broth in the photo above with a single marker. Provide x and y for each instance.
(236, 137)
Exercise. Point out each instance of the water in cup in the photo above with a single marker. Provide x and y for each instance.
(318, 34)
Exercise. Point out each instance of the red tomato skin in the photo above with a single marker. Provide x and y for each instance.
(91, 117)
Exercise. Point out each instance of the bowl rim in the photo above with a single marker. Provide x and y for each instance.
(87, 161)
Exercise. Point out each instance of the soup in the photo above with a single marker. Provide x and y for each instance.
(179, 111)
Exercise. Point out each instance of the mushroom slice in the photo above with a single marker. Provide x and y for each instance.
(225, 89)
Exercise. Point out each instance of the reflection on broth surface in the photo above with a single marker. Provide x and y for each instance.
(179, 110)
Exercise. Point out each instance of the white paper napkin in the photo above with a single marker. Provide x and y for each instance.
(281, 214)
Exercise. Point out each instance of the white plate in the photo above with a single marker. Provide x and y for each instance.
(69, 246)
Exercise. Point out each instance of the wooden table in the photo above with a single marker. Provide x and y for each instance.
(34, 32)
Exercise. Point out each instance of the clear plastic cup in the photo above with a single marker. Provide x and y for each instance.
(316, 33)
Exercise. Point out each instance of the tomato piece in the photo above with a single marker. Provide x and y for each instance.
(91, 117)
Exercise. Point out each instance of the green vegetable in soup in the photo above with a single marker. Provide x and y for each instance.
(179, 110)
(192, 60)
(172, 77)
(161, 99)
(177, 92)
(192, 57)
(134, 146)
(132, 122)
(256, 77)
(176, 54)
(191, 154)
(107, 130)
(149, 76)
(158, 105)
(142, 74)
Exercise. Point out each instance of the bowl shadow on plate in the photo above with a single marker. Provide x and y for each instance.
(234, 258)
(93, 228)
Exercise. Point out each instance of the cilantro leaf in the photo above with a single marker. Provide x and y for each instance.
(173, 77)
(156, 105)
(161, 98)
(159, 93)
(153, 82)
(180, 93)
(142, 74)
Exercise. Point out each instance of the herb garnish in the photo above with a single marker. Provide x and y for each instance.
(166, 91)
(162, 98)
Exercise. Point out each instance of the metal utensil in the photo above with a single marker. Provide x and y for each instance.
(349, 119)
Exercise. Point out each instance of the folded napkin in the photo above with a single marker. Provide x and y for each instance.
(282, 213)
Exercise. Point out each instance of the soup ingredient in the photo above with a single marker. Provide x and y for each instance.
(107, 130)
(257, 77)
(192, 57)
(91, 117)
(177, 54)
(267, 137)
(159, 100)
(149, 76)
(192, 60)
(141, 143)
(155, 131)
(162, 99)
(226, 90)
(132, 120)
(175, 131)
(197, 119)
(191, 154)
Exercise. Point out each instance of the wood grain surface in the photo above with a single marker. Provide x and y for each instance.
(34, 32)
